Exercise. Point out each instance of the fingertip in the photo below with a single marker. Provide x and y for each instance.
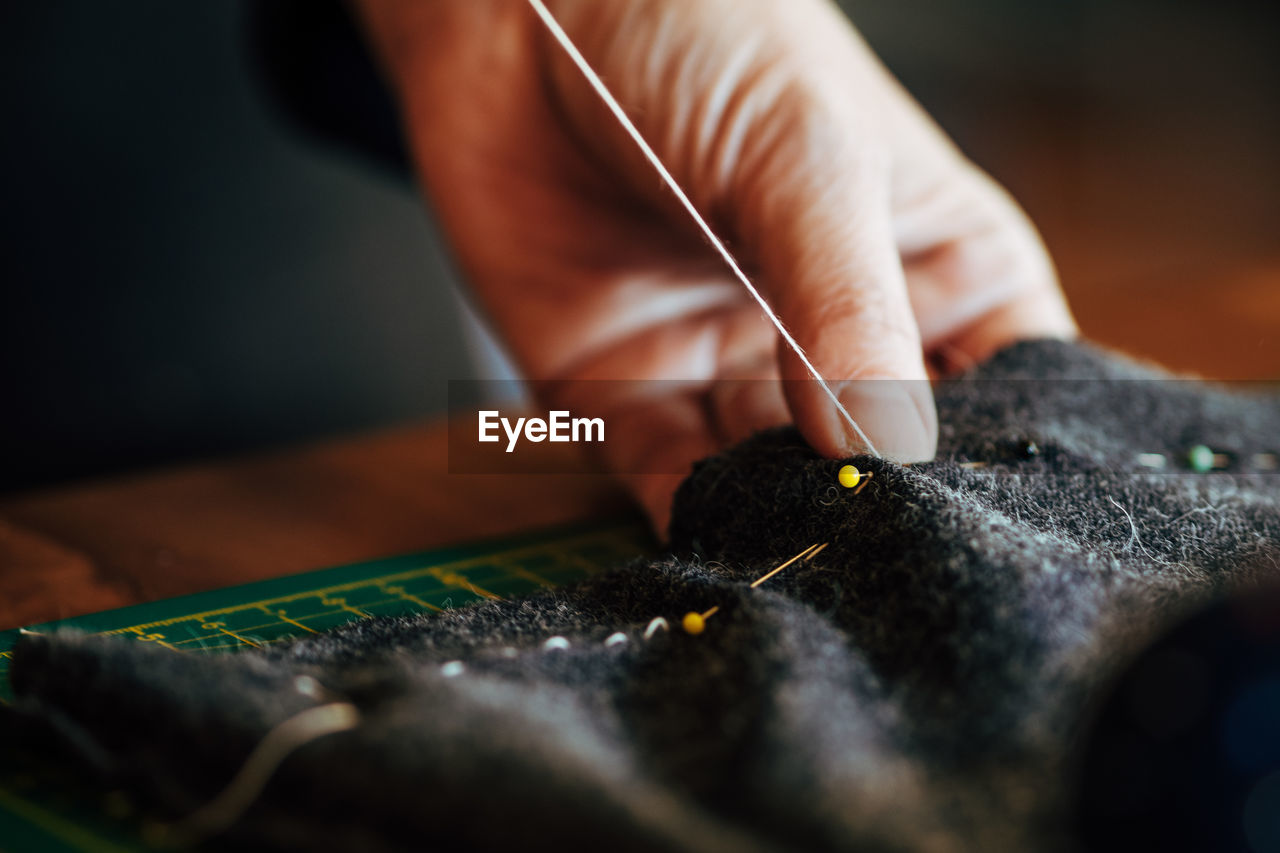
(894, 419)
(893, 416)
(897, 416)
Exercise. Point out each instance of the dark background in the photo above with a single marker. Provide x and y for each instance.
(188, 275)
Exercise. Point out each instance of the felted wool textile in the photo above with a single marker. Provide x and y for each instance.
(925, 683)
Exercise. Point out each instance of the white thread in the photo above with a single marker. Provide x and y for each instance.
(657, 623)
(615, 639)
(1134, 538)
(453, 669)
(596, 83)
(220, 813)
(556, 643)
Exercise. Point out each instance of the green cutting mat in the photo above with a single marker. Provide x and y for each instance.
(39, 811)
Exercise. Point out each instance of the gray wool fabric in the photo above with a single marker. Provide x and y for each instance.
(928, 682)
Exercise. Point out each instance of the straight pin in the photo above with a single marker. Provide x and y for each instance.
(807, 554)
(695, 623)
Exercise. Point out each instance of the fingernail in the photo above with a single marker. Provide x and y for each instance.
(897, 415)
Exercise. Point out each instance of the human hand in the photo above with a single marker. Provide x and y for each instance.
(885, 252)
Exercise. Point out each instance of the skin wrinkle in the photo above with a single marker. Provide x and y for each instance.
(934, 274)
(555, 75)
(920, 217)
(679, 342)
(674, 305)
(765, 162)
(680, 126)
(729, 109)
(622, 46)
(932, 277)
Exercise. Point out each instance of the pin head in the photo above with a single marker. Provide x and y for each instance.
(1200, 458)
(849, 476)
(693, 623)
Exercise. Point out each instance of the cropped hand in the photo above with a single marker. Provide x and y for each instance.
(886, 253)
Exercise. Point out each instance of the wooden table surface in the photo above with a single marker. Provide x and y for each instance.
(82, 549)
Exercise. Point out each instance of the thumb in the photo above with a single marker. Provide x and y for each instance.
(830, 261)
